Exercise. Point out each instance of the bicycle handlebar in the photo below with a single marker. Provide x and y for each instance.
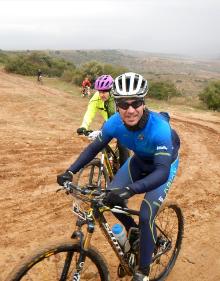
(70, 187)
(99, 195)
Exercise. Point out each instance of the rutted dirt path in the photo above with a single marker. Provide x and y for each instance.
(37, 142)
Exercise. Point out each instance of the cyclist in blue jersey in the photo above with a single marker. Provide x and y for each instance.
(151, 169)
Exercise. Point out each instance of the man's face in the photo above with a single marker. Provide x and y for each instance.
(104, 95)
(131, 110)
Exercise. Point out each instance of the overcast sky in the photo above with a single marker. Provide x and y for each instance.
(190, 27)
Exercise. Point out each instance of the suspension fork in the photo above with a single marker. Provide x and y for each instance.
(101, 168)
(84, 243)
(108, 165)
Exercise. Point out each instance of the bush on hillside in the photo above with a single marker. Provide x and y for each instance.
(3, 58)
(211, 95)
(91, 69)
(78, 77)
(163, 90)
(29, 63)
(114, 71)
(68, 75)
(94, 69)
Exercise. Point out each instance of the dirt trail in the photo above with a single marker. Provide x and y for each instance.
(37, 142)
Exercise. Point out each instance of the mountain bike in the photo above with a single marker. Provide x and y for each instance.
(40, 80)
(86, 92)
(101, 170)
(76, 259)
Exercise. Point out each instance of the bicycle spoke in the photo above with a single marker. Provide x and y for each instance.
(167, 232)
(55, 267)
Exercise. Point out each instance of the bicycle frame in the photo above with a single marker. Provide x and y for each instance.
(108, 159)
(96, 215)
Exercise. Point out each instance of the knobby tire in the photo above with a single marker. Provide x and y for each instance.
(96, 268)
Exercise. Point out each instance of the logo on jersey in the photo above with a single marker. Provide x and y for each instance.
(162, 147)
(140, 137)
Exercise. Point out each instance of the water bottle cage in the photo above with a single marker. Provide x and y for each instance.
(133, 238)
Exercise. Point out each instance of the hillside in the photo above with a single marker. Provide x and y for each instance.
(37, 125)
(142, 61)
(190, 75)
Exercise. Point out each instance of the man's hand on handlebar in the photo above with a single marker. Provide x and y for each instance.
(118, 197)
(81, 131)
(67, 176)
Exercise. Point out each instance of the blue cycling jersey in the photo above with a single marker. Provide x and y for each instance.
(154, 139)
(155, 147)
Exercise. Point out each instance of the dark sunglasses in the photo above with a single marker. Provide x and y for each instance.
(125, 105)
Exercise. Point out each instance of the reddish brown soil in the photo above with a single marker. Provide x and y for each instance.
(37, 142)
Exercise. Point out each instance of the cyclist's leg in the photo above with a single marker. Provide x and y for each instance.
(88, 92)
(128, 173)
(149, 208)
(122, 179)
(123, 153)
(131, 171)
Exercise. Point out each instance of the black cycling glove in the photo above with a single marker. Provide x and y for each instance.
(67, 176)
(118, 196)
(81, 131)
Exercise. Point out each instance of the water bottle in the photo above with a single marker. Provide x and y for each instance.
(119, 233)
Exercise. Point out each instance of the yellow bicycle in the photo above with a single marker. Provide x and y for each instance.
(76, 259)
(101, 170)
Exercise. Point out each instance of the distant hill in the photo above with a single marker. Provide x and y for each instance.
(189, 74)
(143, 61)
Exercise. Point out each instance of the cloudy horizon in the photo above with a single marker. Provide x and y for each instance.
(189, 27)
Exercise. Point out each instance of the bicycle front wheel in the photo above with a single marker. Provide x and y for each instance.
(170, 227)
(59, 262)
(92, 175)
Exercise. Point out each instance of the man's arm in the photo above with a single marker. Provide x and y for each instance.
(162, 162)
(89, 153)
(90, 112)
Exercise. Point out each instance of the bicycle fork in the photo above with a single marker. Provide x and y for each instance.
(108, 165)
(84, 245)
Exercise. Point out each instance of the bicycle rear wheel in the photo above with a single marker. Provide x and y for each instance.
(92, 175)
(58, 262)
(170, 227)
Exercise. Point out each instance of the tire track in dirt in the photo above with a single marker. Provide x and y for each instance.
(38, 143)
(197, 190)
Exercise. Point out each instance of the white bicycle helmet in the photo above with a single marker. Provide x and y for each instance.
(130, 84)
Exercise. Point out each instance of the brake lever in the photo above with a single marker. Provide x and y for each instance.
(59, 189)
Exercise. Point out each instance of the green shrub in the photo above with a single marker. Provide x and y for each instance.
(29, 63)
(163, 90)
(94, 69)
(211, 95)
(114, 71)
(3, 58)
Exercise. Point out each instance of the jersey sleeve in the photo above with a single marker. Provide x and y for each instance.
(90, 152)
(90, 112)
